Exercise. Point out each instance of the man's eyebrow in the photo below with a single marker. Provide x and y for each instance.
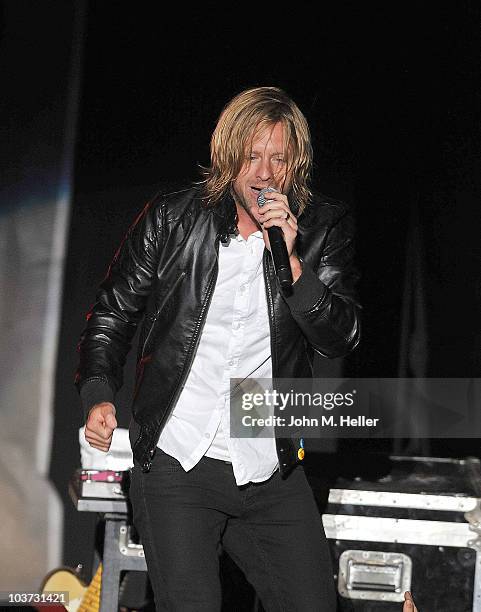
(285, 153)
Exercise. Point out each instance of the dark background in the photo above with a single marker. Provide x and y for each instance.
(392, 95)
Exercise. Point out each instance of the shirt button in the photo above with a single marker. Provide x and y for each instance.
(235, 325)
(207, 435)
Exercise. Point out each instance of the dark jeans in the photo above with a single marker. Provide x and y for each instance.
(272, 530)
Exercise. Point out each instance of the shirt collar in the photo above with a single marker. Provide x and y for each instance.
(256, 234)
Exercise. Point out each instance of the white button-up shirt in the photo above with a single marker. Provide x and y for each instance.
(235, 343)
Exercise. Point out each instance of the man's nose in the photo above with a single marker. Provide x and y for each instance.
(265, 171)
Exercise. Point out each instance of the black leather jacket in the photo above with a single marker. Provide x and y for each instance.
(164, 274)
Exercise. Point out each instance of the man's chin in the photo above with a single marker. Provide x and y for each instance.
(251, 209)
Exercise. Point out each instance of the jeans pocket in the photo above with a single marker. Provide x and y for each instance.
(162, 461)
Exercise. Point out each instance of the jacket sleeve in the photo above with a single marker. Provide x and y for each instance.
(119, 307)
(324, 302)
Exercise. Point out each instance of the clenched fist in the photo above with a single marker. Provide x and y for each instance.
(100, 426)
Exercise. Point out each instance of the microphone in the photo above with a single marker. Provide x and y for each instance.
(280, 257)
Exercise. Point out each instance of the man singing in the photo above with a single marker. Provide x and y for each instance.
(196, 272)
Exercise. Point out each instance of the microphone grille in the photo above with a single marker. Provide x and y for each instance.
(261, 198)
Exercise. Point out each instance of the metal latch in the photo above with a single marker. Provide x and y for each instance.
(126, 546)
(374, 575)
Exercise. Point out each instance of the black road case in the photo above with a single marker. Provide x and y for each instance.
(416, 528)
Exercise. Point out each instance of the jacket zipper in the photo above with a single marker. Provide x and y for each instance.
(198, 327)
(156, 316)
(270, 302)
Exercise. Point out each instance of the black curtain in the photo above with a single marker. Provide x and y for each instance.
(392, 96)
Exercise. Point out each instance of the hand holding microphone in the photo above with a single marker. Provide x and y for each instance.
(279, 252)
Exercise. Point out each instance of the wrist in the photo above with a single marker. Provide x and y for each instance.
(296, 267)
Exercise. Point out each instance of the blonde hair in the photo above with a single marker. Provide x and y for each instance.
(239, 121)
